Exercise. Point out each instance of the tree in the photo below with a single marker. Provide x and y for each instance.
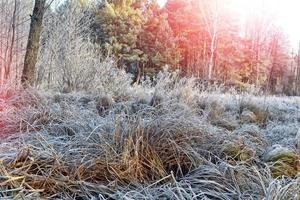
(187, 27)
(13, 36)
(28, 75)
(118, 24)
(211, 14)
(203, 28)
(65, 49)
(157, 42)
(278, 60)
(137, 34)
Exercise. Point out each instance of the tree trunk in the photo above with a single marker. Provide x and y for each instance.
(212, 55)
(297, 89)
(28, 75)
(273, 76)
(8, 66)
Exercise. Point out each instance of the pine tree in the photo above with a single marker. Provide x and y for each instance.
(158, 43)
(119, 25)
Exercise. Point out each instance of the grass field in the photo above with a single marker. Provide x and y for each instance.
(171, 139)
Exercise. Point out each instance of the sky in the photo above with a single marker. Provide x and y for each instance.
(286, 14)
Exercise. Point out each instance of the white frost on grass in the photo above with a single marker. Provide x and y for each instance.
(181, 126)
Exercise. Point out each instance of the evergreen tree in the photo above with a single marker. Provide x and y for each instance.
(158, 43)
(119, 23)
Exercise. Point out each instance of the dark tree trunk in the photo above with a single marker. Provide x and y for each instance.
(138, 75)
(28, 75)
(273, 75)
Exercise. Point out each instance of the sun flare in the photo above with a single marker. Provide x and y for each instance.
(283, 13)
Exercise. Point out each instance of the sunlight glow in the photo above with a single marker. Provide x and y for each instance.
(161, 3)
(285, 14)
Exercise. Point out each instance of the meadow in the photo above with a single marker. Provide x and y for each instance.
(169, 138)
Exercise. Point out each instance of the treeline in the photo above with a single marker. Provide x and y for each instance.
(201, 38)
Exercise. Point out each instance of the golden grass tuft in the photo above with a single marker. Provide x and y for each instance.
(285, 164)
(139, 157)
(237, 151)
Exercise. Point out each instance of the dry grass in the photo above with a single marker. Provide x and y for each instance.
(163, 141)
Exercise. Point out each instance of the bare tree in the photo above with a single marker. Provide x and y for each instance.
(66, 53)
(28, 75)
(13, 35)
(10, 48)
(211, 12)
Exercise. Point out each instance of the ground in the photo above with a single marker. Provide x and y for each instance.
(168, 140)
